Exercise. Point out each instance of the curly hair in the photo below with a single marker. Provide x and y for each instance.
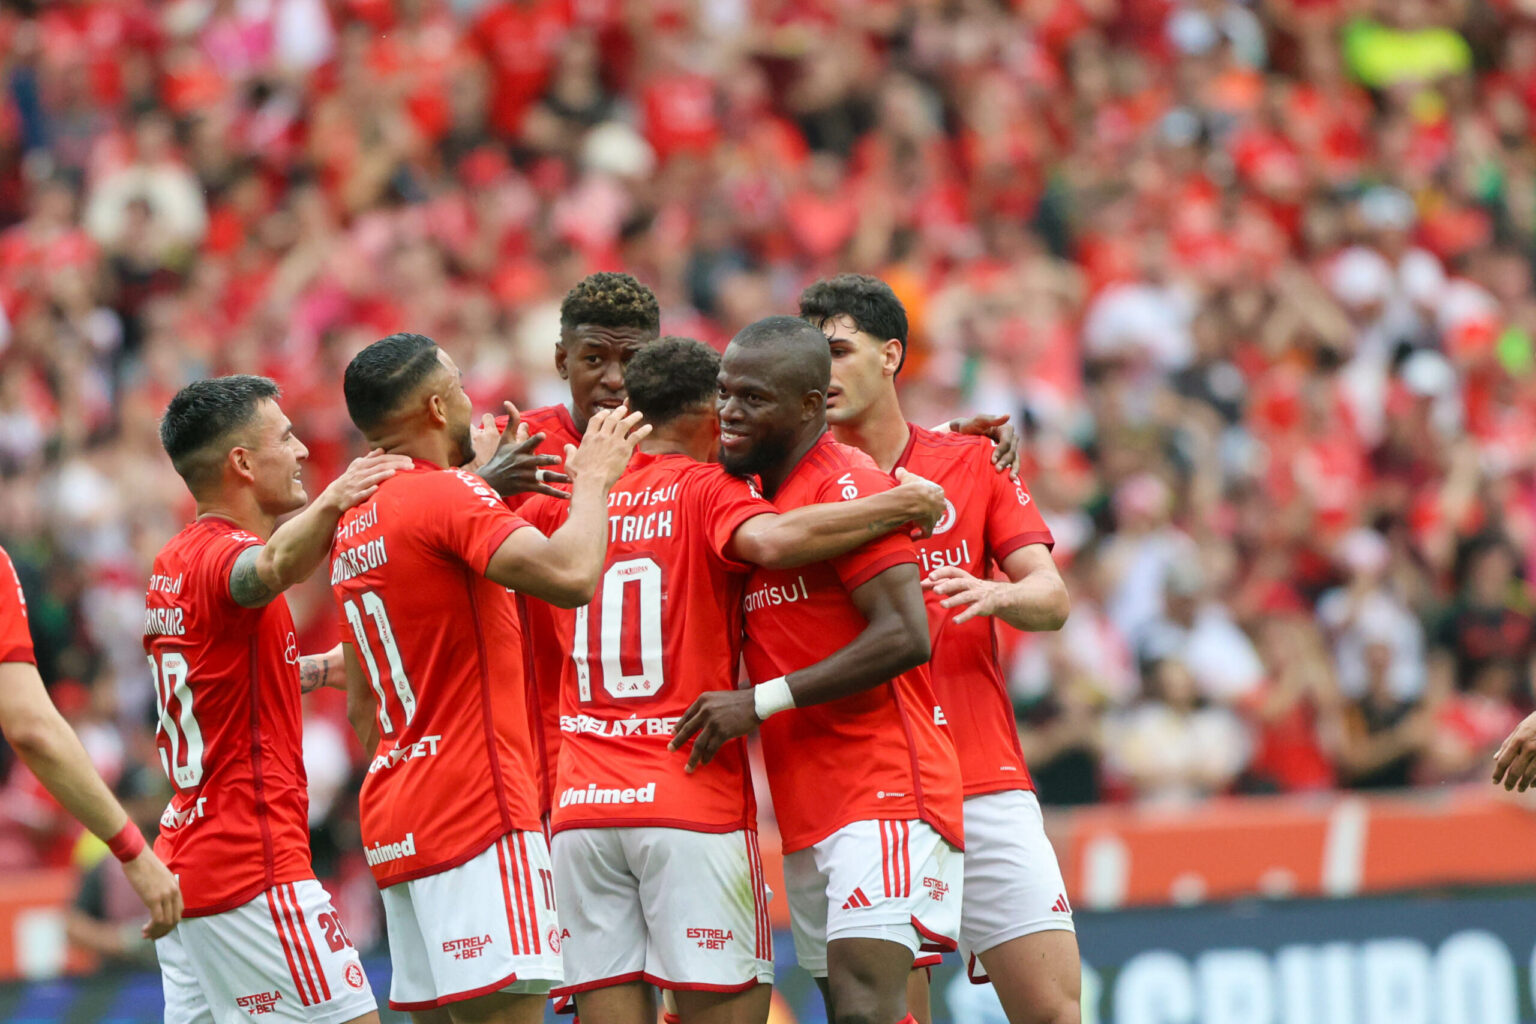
(610, 300)
(867, 301)
(670, 377)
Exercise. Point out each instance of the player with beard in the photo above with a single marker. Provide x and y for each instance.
(1016, 922)
(640, 875)
(865, 782)
(424, 572)
(259, 934)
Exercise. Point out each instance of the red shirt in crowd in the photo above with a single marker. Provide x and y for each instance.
(442, 647)
(230, 734)
(877, 754)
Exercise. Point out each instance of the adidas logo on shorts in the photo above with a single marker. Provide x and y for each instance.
(1061, 906)
(857, 900)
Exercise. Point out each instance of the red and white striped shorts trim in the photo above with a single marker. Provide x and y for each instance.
(298, 945)
(895, 857)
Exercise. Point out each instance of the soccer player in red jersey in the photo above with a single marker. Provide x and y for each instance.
(52, 752)
(423, 573)
(864, 777)
(260, 934)
(604, 320)
(651, 862)
(1016, 919)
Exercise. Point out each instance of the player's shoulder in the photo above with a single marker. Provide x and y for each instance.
(209, 537)
(949, 443)
(833, 457)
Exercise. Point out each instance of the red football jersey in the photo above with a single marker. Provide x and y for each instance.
(989, 517)
(442, 647)
(663, 628)
(878, 754)
(15, 636)
(231, 730)
(546, 629)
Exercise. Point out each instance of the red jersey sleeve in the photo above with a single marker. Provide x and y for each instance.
(860, 566)
(545, 513)
(1013, 518)
(468, 519)
(15, 635)
(724, 502)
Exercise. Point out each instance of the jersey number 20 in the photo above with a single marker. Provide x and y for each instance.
(628, 611)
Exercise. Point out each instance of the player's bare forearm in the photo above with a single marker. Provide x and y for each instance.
(894, 640)
(1034, 598)
(563, 568)
(51, 750)
(318, 670)
(816, 533)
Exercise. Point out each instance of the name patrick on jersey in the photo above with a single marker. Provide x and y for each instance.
(625, 528)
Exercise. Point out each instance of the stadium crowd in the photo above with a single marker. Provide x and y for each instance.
(1254, 279)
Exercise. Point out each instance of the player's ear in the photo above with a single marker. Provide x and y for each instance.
(812, 405)
(560, 360)
(891, 353)
(239, 460)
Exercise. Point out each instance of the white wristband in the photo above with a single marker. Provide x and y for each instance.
(772, 697)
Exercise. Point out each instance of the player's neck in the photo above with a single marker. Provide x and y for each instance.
(578, 418)
(433, 447)
(774, 478)
(881, 433)
(242, 510)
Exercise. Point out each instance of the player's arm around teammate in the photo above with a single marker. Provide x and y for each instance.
(894, 641)
(1033, 599)
(817, 533)
(51, 750)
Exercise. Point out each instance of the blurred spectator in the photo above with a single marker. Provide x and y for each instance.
(1171, 747)
(1365, 612)
(1385, 734)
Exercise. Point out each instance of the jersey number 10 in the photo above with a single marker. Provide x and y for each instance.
(628, 611)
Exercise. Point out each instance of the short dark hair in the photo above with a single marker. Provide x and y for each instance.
(867, 301)
(804, 363)
(610, 300)
(669, 377)
(195, 430)
(380, 377)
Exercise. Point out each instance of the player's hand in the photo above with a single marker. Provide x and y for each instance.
(1515, 763)
(718, 717)
(960, 588)
(484, 439)
(157, 887)
(515, 467)
(607, 445)
(1007, 453)
(927, 501)
(362, 478)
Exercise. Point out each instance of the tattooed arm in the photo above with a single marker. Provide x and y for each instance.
(317, 670)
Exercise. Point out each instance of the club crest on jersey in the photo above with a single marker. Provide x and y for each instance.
(557, 937)
(947, 520)
(258, 1002)
(355, 978)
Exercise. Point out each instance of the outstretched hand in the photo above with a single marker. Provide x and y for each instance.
(607, 445)
(515, 466)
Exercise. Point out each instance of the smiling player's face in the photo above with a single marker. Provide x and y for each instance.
(760, 417)
(276, 460)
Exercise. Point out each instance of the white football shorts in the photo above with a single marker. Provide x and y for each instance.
(488, 925)
(674, 908)
(894, 880)
(281, 957)
(1013, 884)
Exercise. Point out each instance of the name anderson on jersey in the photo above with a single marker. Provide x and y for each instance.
(351, 562)
(164, 622)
